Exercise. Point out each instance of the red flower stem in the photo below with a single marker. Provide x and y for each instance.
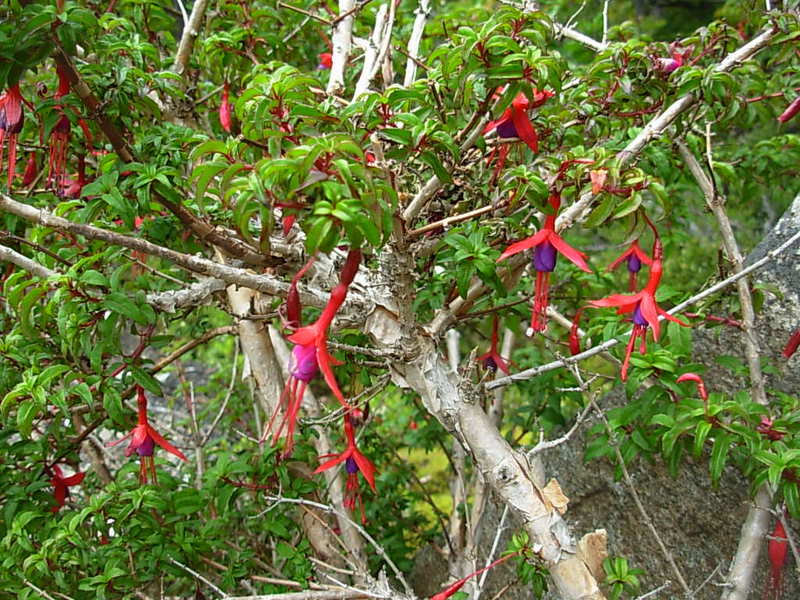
(452, 589)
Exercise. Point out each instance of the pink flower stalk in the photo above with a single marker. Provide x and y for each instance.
(11, 120)
(634, 257)
(790, 111)
(546, 244)
(454, 587)
(226, 109)
(777, 549)
(643, 306)
(59, 138)
(492, 359)
(143, 441)
(325, 61)
(354, 463)
(61, 484)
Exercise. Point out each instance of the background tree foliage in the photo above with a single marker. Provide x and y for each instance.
(147, 158)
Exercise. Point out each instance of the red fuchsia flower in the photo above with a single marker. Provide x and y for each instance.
(765, 428)
(515, 123)
(225, 109)
(11, 120)
(31, 171)
(792, 344)
(59, 138)
(454, 587)
(634, 257)
(325, 61)
(777, 549)
(643, 306)
(316, 334)
(61, 484)
(354, 463)
(492, 359)
(546, 244)
(143, 441)
(790, 111)
(72, 188)
(310, 353)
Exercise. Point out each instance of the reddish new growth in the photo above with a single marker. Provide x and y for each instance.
(60, 485)
(143, 441)
(777, 549)
(354, 463)
(643, 306)
(546, 245)
(492, 359)
(225, 109)
(59, 138)
(310, 353)
(11, 120)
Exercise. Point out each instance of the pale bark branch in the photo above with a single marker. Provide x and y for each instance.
(190, 33)
(342, 40)
(23, 262)
(421, 16)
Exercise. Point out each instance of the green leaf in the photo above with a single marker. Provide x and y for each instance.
(719, 454)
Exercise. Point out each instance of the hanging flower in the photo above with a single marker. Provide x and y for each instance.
(354, 463)
(765, 428)
(643, 306)
(325, 61)
(454, 587)
(634, 256)
(492, 359)
(11, 120)
(792, 344)
(143, 441)
(546, 244)
(515, 123)
(59, 137)
(777, 550)
(676, 60)
(225, 109)
(72, 188)
(61, 484)
(31, 170)
(790, 111)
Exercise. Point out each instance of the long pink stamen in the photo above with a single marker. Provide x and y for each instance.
(540, 302)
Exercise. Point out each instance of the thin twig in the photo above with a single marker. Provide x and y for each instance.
(228, 394)
(197, 576)
(658, 590)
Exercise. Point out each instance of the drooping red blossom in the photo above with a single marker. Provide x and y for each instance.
(143, 441)
(701, 386)
(61, 484)
(574, 337)
(59, 138)
(643, 306)
(31, 170)
(546, 244)
(778, 550)
(354, 463)
(765, 428)
(634, 257)
(454, 587)
(310, 353)
(791, 111)
(792, 344)
(492, 359)
(515, 123)
(325, 61)
(226, 109)
(316, 334)
(72, 188)
(11, 119)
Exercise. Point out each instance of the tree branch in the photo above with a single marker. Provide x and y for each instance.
(190, 33)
